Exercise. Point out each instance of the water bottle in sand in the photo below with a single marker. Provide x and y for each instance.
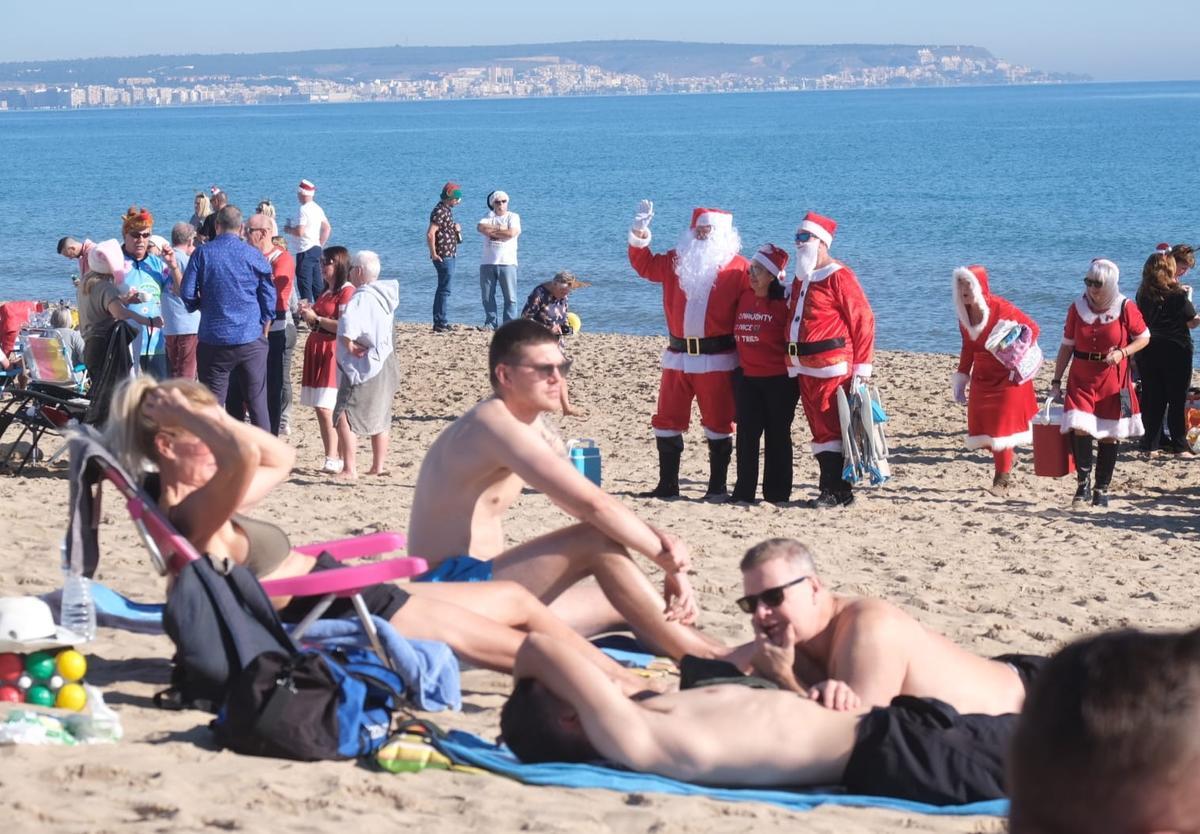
(78, 608)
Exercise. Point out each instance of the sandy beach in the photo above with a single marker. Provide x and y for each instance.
(1021, 574)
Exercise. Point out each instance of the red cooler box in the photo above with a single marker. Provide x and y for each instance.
(1052, 457)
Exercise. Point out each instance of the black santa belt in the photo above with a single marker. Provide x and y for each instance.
(1092, 357)
(696, 346)
(813, 348)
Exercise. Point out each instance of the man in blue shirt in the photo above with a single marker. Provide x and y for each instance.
(229, 282)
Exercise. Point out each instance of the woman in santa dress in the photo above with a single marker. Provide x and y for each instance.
(998, 410)
(318, 380)
(1103, 330)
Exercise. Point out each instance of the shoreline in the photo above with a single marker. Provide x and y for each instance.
(1022, 574)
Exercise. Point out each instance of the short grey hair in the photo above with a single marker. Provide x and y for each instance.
(368, 262)
(229, 218)
(795, 552)
(182, 234)
(61, 317)
(1104, 270)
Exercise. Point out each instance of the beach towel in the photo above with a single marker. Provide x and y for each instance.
(470, 750)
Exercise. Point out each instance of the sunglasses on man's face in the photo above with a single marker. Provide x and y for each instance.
(771, 597)
(804, 237)
(546, 370)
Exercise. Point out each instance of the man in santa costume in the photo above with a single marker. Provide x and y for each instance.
(831, 338)
(701, 278)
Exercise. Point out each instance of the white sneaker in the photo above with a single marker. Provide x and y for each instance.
(332, 465)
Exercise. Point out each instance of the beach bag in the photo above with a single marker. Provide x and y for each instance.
(1052, 455)
(310, 705)
(1014, 347)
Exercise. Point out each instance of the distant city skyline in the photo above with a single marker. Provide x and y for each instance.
(1109, 40)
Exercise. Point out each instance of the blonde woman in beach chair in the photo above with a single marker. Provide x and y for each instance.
(213, 469)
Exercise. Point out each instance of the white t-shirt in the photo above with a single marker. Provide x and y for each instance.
(501, 251)
(311, 218)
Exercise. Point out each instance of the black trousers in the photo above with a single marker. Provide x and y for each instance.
(1166, 372)
(766, 406)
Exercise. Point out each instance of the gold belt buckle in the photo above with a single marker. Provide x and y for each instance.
(693, 345)
(793, 349)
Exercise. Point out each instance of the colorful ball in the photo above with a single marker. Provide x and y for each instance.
(11, 694)
(11, 666)
(40, 695)
(575, 322)
(40, 665)
(72, 696)
(24, 682)
(55, 682)
(71, 665)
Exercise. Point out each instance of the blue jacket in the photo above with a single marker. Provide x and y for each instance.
(229, 282)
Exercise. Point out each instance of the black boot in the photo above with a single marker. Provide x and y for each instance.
(834, 492)
(1106, 462)
(670, 449)
(719, 454)
(1083, 469)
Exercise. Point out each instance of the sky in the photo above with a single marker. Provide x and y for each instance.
(1110, 40)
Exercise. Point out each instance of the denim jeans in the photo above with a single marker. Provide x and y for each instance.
(310, 283)
(506, 276)
(445, 272)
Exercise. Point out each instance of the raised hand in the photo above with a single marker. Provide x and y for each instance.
(643, 216)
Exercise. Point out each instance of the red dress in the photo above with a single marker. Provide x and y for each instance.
(998, 410)
(319, 381)
(1095, 390)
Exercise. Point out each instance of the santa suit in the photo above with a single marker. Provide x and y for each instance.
(687, 372)
(1094, 388)
(998, 410)
(831, 337)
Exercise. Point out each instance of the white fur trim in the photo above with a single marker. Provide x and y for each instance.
(863, 370)
(639, 242)
(973, 330)
(826, 372)
(702, 364)
(1100, 428)
(999, 444)
(695, 309)
(819, 232)
(712, 435)
(827, 446)
(667, 433)
(765, 262)
(1104, 316)
(716, 219)
(825, 271)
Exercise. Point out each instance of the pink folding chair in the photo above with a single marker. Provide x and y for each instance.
(170, 552)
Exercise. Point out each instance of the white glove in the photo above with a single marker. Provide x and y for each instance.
(645, 213)
(959, 384)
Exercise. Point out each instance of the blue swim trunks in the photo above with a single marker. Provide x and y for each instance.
(458, 569)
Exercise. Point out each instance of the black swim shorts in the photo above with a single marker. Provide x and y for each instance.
(1027, 666)
(922, 749)
(382, 600)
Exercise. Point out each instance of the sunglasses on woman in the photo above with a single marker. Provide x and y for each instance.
(1093, 282)
(771, 597)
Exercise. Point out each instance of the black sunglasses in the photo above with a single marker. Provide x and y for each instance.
(547, 370)
(773, 597)
(1093, 282)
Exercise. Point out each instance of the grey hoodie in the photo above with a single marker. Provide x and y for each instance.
(369, 319)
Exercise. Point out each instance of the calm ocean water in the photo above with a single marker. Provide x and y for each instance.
(1033, 182)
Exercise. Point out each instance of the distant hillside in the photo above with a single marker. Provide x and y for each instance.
(643, 58)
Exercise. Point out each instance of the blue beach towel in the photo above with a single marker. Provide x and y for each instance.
(465, 748)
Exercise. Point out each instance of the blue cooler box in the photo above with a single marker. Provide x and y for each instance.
(585, 456)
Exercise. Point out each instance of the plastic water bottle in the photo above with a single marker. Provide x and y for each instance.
(78, 608)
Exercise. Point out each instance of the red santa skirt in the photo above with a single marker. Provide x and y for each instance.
(999, 414)
(1094, 401)
(319, 382)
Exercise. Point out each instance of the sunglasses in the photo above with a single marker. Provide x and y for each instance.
(804, 237)
(142, 235)
(771, 597)
(546, 371)
(1093, 282)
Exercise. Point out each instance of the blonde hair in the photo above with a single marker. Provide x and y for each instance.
(93, 278)
(129, 432)
(205, 207)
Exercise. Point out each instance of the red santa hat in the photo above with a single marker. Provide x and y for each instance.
(773, 259)
(717, 218)
(306, 187)
(1162, 249)
(821, 227)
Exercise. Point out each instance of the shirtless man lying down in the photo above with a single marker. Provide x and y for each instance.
(563, 709)
(848, 652)
(478, 466)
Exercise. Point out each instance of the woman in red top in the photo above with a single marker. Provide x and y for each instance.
(998, 409)
(318, 381)
(765, 395)
(1103, 330)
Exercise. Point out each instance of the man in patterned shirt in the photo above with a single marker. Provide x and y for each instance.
(443, 237)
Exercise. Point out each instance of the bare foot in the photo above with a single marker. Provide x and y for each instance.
(348, 477)
(374, 471)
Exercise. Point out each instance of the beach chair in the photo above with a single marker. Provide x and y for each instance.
(864, 443)
(51, 401)
(92, 463)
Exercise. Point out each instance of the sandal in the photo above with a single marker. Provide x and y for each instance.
(332, 466)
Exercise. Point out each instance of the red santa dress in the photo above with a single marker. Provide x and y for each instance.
(999, 411)
(1095, 390)
(831, 337)
(699, 362)
(319, 378)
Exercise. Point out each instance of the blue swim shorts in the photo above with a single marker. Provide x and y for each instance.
(458, 569)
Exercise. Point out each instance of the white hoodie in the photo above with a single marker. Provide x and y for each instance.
(369, 319)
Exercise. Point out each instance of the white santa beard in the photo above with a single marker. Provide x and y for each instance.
(697, 262)
(806, 257)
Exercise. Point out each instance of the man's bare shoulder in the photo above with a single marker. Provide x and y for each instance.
(871, 618)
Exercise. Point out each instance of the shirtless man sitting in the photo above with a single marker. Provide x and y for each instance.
(563, 709)
(478, 466)
(848, 652)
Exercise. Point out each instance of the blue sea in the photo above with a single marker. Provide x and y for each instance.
(1033, 182)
